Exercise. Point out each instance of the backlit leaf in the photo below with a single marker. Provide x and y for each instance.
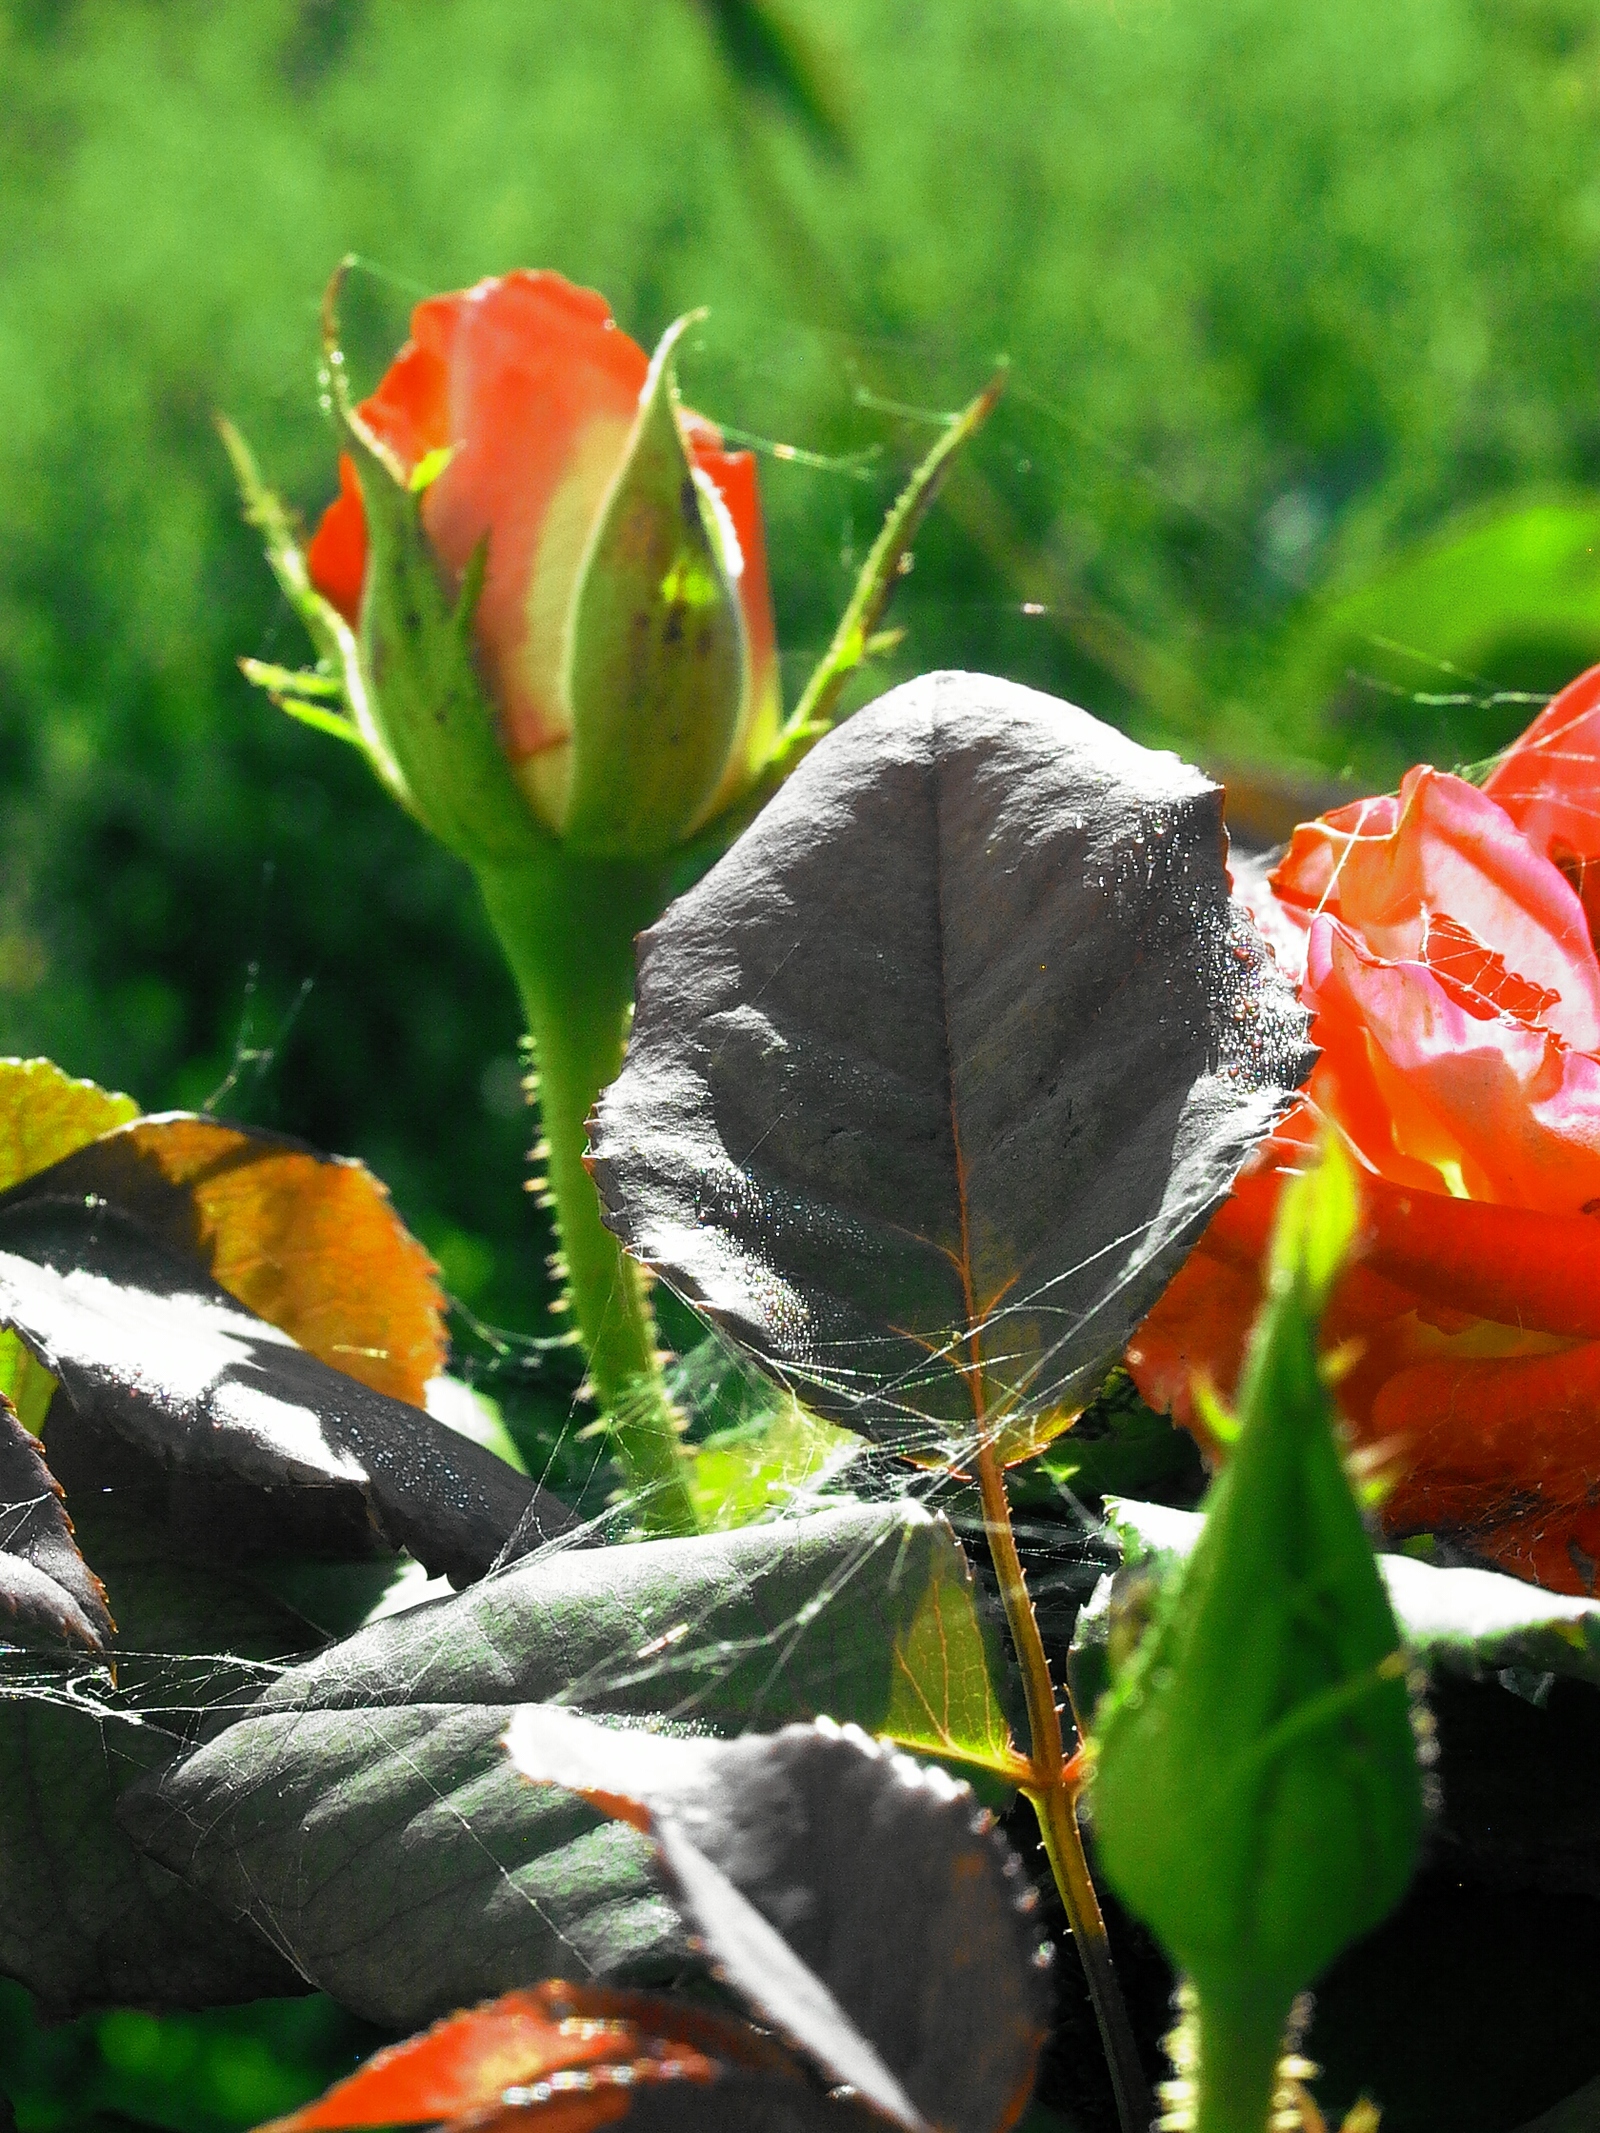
(309, 1242)
(44, 1115)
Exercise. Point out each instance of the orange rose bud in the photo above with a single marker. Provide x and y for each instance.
(622, 629)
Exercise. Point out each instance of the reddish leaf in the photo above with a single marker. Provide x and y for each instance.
(309, 1242)
(609, 2041)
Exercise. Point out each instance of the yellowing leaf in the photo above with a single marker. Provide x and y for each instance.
(44, 1115)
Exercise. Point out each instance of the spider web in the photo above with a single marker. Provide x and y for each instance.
(727, 1406)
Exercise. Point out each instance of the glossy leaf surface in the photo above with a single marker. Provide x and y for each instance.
(152, 1353)
(809, 1861)
(939, 1072)
(363, 1810)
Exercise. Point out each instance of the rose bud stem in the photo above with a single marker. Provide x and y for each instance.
(576, 986)
(1255, 1792)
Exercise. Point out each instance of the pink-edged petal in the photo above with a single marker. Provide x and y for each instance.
(1549, 780)
(1503, 1111)
(1310, 874)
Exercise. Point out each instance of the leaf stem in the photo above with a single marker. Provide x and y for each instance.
(567, 927)
(1053, 1796)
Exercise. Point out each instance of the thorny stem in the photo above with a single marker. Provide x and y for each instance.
(1052, 1792)
(567, 927)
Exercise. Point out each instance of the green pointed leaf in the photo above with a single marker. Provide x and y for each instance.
(656, 670)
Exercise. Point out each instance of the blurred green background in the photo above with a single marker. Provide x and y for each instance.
(1299, 468)
(1301, 308)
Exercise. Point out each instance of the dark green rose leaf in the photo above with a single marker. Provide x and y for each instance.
(154, 1355)
(48, 1594)
(941, 1070)
(85, 1918)
(809, 1861)
(362, 1811)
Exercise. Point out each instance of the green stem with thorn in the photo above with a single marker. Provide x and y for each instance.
(576, 983)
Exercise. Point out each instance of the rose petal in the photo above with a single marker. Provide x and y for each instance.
(1453, 850)
(1478, 1434)
(1549, 780)
(1309, 875)
(1503, 1112)
(337, 554)
(1196, 1331)
(534, 388)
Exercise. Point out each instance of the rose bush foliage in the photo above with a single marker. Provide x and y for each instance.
(1444, 939)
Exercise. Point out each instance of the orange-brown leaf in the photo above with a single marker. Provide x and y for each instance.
(309, 1242)
(609, 2042)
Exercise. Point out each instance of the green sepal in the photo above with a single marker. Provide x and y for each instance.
(1256, 1795)
(656, 667)
(416, 658)
(857, 639)
(340, 676)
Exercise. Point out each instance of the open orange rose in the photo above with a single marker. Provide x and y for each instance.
(1443, 939)
(530, 403)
